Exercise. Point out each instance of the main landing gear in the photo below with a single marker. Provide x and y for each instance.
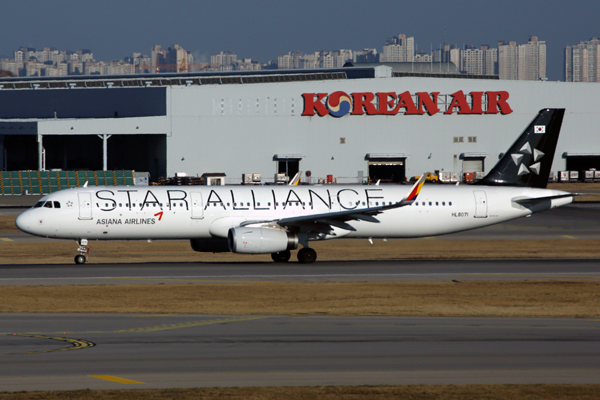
(306, 255)
(281, 256)
(83, 251)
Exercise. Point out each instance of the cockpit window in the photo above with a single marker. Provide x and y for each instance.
(38, 204)
(56, 204)
(48, 204)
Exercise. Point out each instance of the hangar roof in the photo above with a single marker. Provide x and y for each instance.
(358, 71)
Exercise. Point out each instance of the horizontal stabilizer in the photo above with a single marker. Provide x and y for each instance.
(534, 200)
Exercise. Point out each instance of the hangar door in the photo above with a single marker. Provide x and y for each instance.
(473, 164)
(583, 162)
(391, 170)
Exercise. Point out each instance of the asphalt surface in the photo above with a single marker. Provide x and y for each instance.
(324, 271)
(102, 351)
(192, 351)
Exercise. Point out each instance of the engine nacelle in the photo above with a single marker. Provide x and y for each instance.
(260, 240)
(210, 245)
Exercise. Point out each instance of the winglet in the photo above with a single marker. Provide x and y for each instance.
(296, 179)
(414, 191)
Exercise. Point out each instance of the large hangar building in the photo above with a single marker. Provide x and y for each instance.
(377, 121)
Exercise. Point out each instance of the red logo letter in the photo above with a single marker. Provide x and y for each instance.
(364, 102)
(311, 104)
(496, 99)
(429, 103)
(459, 100)
(477, 102)
(407, 102)
(386, 103)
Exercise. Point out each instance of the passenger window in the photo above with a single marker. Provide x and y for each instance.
(429, 203)
(56, 204)
(443, 203)
(258, 204)
(449, 203)
(48, 204)
(437, 204)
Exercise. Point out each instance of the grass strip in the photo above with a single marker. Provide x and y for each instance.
(337, 250)
(556, 299)
(408, 392)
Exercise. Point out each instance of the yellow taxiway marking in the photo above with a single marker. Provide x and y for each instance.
(116, 379)
(156, 328)
(165, 327)
(6, 239)
(76, 344)
(155, 315)
(568, 237)
(179, 280)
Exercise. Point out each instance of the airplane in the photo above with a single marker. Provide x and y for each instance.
(277, 219)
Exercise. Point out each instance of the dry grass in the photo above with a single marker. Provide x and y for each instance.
(573, 299)
(7, 223)
(343, 250)
(408, 392)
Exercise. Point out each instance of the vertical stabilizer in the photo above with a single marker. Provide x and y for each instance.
(529, 159)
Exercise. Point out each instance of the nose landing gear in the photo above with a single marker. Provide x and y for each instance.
(83, 251)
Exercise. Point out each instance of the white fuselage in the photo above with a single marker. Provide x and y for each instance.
(179, 212)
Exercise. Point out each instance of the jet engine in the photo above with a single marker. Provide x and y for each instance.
(210, 245)
(260, 240)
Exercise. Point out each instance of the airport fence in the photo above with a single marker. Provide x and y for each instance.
(44, 182)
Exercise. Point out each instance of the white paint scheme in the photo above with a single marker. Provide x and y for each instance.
(209, 212)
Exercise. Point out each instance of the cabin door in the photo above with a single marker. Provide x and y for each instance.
(481, 207)
(197, 206)
(85, 205)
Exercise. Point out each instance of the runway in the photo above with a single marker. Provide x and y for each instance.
(192, 351)
(326, 271)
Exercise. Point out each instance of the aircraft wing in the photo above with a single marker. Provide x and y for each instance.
(339, 218)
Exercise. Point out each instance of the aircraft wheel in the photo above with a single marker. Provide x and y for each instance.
(281, 256)
(80, 259)
(307, 255)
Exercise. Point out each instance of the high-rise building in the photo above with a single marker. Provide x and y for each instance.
(399, 49)
(522, 62)
(532, 60)
(508, 66)
(582, 62)
(482, 61)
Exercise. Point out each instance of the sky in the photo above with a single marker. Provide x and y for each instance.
(264, 29)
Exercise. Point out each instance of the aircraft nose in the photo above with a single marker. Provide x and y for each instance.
(24, 221)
